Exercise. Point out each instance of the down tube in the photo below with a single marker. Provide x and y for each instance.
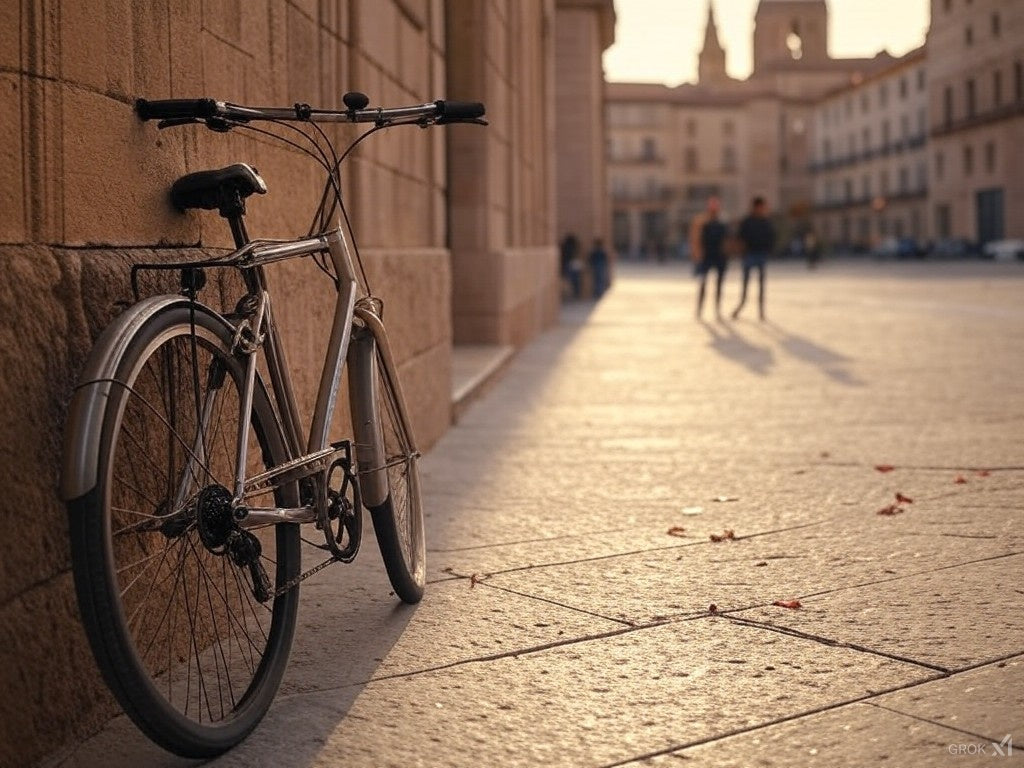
(341, 328)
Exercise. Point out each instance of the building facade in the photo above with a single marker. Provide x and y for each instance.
(670, 149)
(456, 227)
(976, 119)
(869, 158)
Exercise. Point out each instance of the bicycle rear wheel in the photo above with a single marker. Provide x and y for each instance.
(186, 640)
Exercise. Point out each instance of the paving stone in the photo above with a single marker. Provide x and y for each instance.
(952, 618)
(586, 704)
(987, 701)
(846, 737)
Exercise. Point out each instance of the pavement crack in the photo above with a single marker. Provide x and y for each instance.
(964, 731)
(791, 632)
(530, 541)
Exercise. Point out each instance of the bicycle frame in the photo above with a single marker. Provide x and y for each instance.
(361, 355)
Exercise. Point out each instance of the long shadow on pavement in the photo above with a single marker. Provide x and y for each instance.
(731, 345)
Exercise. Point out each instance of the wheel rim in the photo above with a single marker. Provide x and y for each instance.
(188, 615)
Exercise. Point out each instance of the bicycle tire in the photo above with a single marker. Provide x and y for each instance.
(245, 654)
(398, 520)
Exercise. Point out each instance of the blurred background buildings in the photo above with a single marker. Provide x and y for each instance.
(881, 153)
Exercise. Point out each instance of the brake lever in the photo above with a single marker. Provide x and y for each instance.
(218, 124)
(470, 120)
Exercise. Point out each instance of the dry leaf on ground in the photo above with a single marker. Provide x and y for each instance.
(726, 535)
(677, 530)
(791, 604)
(884, 467)
(903, 499)
(960, 480)
(890, 510)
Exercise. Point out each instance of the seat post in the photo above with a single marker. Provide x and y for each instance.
(232, 208)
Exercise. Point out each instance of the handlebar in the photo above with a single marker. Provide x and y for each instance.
(177, 111)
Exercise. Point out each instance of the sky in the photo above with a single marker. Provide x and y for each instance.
(658, 40)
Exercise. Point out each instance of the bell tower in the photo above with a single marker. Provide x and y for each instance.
(711, 60)
(788, 32)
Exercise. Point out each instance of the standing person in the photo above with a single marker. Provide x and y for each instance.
(757, 235)
(599, 267)
(572, 264)
(711, 244)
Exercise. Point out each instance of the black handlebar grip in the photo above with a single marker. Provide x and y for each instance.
(175, 109)
(460, 110)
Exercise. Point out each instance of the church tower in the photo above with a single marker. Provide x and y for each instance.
(711, 61)
(790, 32)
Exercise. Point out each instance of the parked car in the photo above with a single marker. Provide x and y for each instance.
(899, 248)
(1004, 250)
(953, 248)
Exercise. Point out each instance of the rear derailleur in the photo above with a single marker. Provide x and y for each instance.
(216, 520)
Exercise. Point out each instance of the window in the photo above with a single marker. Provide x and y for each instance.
(866, 187)
(968, 160)
(691, 127)
(940, 163)
(920, 79)
(865, 102)
(826, 149)
(691, 160)
(904, 179)
(903, 87)
(650, 150)
(922, 177)
(969, 35)
(990, 156)
(849, 106)
(885, 134)
(728, 128)
(867, 139)
(942, 220)
(848, 190)
(728, 159)
(884, 186)
(971, 94)
(904, 127)
(947, 106)
(883, 94)
(997, 88)
(995, 25)
(1018, 81)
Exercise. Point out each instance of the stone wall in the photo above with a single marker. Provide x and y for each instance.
(502, 215)
(83, 193)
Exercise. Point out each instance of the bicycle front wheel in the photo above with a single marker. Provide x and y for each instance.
(188, 639)
(387, 468)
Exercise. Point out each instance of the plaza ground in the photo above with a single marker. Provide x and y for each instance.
(580, 610)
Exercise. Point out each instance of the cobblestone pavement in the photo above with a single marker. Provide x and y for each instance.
(581, 612)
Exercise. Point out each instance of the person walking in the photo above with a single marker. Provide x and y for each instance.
(711, 244)
(757, 235)
(572, 264)
(599, 267)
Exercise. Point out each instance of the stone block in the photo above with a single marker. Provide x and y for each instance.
(10, 36)
(48, 670)
(303, 58)
(101, 206)
(83, 32)
(185, 24)
(375, 32)
(413, 57)
(12, 191)
(151, 73)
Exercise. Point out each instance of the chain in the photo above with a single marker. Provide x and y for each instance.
(292, 583)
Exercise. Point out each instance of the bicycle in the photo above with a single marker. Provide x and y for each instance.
(187, 477)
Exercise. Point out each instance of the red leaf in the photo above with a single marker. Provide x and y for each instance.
(983, 473)
(476, 577)
(884, 467)
(791, 604)
(712, 608)
(960, 480)
(903, 499)
(677, 530)
(726, 535)
(825, 454)
(890, 510)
